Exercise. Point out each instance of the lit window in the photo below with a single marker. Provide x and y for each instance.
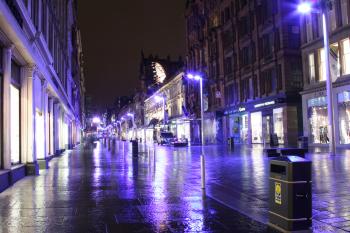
(346, 56)
(321, 58)
(334, 61)
(312, 75)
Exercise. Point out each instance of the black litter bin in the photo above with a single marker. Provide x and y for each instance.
(290, 194)
(135, 148)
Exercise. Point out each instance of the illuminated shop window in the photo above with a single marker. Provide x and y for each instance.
(318, 120)
(344, 117)
(256, 125)
(278, 124)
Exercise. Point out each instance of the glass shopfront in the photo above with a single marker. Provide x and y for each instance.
(264, 124)
(238, 124)
(278, 124)
(344, 117)
(256, 122)
(318, 120)
(183, 131)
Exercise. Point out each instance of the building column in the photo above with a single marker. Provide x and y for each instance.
(51, 149)
(56, 136)
(28, 120)
(44, 163)
(7, 55)
(249, 136)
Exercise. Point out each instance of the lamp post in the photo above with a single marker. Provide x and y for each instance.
(159, 99)
(198, 78)
(305, 8)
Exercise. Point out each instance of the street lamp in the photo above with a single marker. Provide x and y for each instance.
(198, 78)
(307, 7)
(161, 99)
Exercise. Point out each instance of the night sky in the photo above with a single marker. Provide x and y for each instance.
(113, 34)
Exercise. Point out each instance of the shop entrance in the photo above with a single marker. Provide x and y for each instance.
(267, 129)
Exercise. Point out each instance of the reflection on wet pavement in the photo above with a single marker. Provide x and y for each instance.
(103, 190)
(110, 191)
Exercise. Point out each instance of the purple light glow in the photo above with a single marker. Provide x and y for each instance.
(304, 7)
(190, 76)
(96, 120)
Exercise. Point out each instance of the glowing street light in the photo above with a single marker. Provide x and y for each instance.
(306, 7)
(96, 120)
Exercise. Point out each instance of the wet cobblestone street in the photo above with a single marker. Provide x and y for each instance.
(109, 191)
(101, 190)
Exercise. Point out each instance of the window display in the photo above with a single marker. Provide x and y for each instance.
(344, 117)
(256, 123)
(318, 120)
(244, 128)
(278, 124)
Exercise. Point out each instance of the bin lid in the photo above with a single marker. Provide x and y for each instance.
(291, 159)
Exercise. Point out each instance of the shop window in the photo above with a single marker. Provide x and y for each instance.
(278, 124)
(318, 120)
(312, 73)
(344, 117)
(256, 126)
(346, 56)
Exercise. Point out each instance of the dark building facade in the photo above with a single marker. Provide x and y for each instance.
(249, 52)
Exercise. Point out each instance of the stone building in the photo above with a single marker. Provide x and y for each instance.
(249, 54)
(42, 83)
(315, 116)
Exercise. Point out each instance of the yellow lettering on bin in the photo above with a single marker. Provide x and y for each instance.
(278, 193)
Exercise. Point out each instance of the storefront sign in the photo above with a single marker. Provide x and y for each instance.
(240, 109)
(264, 104)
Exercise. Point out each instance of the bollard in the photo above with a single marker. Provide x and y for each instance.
(109, 143)
(154, 157)
(203, 171)
(135, 148)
